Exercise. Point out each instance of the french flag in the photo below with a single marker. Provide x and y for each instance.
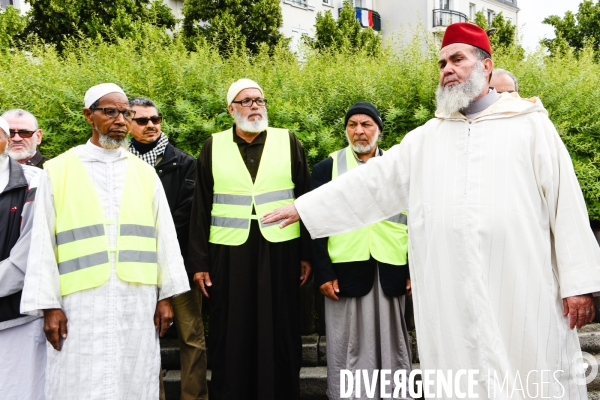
(365, 17)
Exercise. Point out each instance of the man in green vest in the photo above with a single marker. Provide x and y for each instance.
(251, 272)
(106, 262)
(363, 274)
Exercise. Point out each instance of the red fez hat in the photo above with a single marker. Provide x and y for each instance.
(466, 32)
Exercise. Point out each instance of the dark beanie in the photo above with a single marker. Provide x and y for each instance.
(364, 107)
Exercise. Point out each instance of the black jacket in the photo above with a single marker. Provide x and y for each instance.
(176, 171)
(12, 201)
(355, 279)
(37, 160)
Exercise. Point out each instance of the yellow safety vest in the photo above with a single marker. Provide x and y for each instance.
(82, 244)
(386, 241)
(234, 193)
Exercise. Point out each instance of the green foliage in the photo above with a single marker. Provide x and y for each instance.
(575, 31)
(310, 97)
(12, 26)
(233, 25)
(58, 21)
(504, 34)
(344, 34)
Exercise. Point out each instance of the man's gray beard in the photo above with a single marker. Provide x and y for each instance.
(21, 155)
(454, 98)
(364, 148)
(108, 143)
(246, 125)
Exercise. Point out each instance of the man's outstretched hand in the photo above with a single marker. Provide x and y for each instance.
(285, 215)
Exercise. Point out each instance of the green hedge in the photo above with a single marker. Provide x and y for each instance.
(308, 97)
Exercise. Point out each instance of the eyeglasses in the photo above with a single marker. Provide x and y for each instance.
(156, 119)
(248, 102)
(22, 133)
(114, 112)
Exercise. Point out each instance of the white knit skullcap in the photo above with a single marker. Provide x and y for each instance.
(237, 86)
(97, 92)
(4, 126)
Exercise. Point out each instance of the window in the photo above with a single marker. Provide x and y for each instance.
(445, 4)
(359, 3)
(326, 2)
(472, 11)
(6, 3)
(490, 16)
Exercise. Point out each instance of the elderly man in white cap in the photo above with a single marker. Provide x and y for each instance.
(22, 340)
(250, 271)
(105, 264)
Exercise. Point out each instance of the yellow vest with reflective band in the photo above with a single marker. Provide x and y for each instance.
(234, 194)
(386, 241)
(82, 243)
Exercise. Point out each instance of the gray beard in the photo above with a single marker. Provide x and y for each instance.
(251, 126)
(21, 155)
(454, 98)
(108, 143)
(364, 148)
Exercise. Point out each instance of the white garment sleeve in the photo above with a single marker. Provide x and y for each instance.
(172, 277)
(41, 290)
(360, 197)
(575, 248)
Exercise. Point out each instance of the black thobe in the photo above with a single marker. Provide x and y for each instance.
(254, 342)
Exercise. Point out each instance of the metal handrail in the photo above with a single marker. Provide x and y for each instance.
(446, 17)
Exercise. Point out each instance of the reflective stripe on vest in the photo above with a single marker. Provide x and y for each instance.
(386, 241)
(82, 244)
(235, 195)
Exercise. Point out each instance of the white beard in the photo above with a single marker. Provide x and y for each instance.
(256, 126)
(364, 148)
(108, 143)
(21, 155)
(454, 98)
(4, 154)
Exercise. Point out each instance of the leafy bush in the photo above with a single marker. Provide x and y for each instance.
(309, 97)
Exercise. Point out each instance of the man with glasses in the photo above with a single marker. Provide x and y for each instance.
(250, 271)
(25, 136)
(105, 264)
(176, 170)
(22, 340)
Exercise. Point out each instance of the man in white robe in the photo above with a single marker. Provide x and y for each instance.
(22, 340)
(502, 258)
(104, 340)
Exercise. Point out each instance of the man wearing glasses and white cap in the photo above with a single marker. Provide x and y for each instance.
(105, 264)
(176, 170)
(251, 272)
(25, 136)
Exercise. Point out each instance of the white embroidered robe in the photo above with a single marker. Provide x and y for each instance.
(499, 235)
(112, 349)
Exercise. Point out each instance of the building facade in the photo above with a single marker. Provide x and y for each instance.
(393, 17)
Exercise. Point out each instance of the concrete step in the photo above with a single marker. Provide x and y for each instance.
(313, 383)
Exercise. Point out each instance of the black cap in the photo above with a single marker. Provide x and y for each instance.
(364, 107)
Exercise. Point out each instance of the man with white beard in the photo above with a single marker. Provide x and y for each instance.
(251, 272)
(105, 264)
(25, 136)
(22, 340)
(363, 274)
(502, 256)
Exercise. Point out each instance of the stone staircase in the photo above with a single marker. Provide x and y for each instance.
(313, 375)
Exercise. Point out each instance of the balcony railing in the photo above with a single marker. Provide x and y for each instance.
(362, 15)
(447, 17)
